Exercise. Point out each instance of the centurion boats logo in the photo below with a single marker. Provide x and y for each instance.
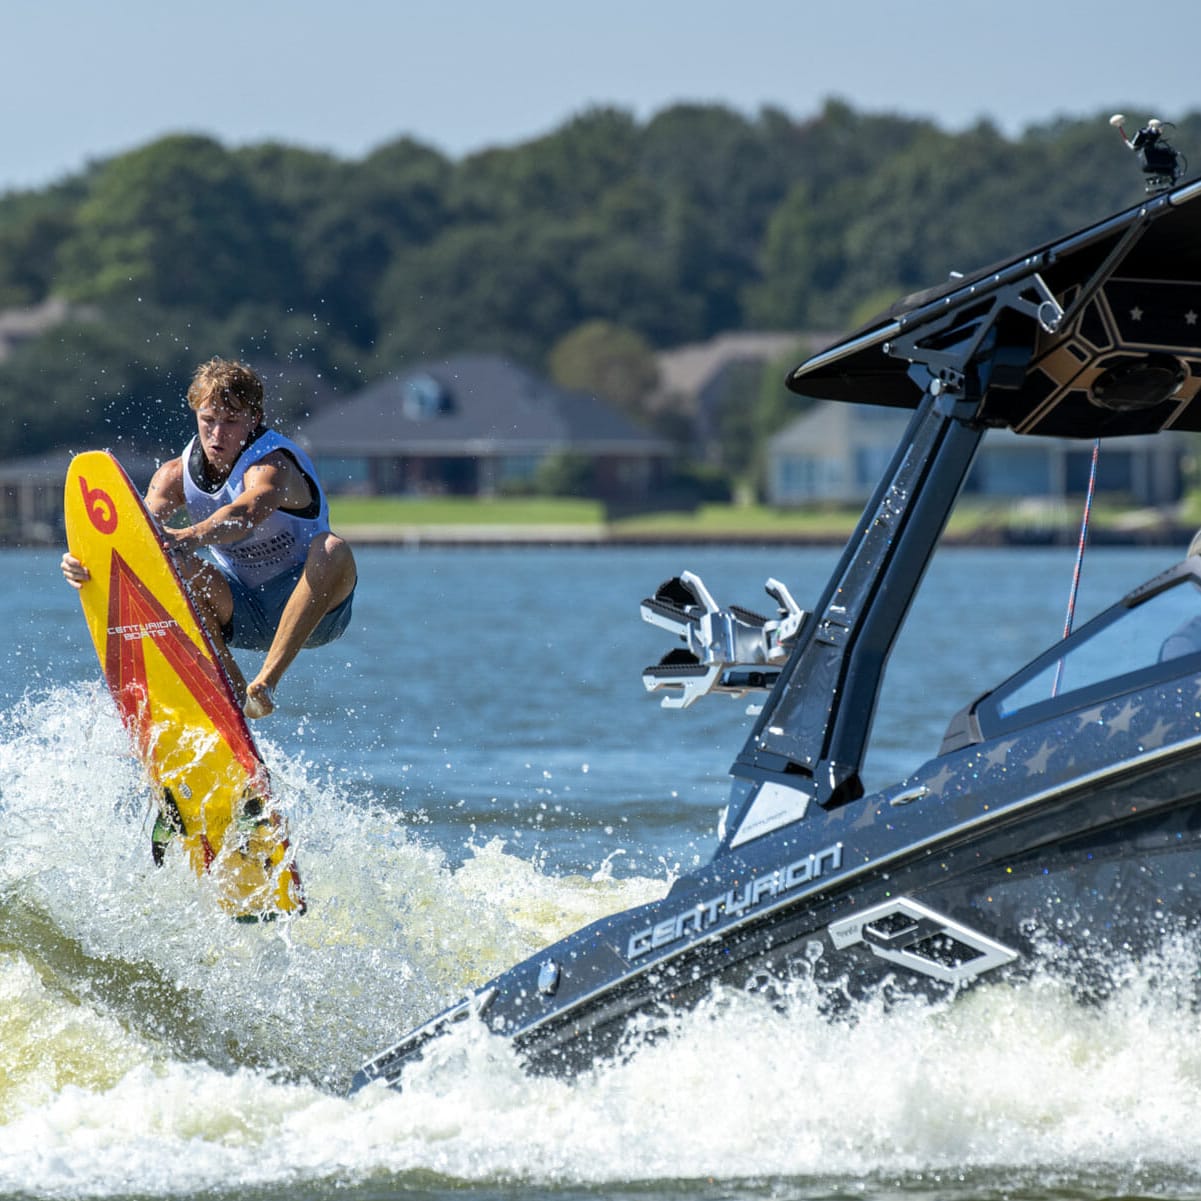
(142, 629)
(735, 901)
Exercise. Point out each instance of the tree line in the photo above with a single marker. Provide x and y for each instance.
(609, 237)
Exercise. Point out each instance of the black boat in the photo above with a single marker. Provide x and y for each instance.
(1061, 817)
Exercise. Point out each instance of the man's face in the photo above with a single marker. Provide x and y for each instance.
(223, 433)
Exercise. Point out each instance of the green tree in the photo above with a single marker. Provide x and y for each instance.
(609, 360)
(635, 253)
(565, 474)
(841, 145)
(504, 288)
(33, 225)
(91, 384)
(288, 345)
(179, 224)
(722, 177)
(755, 405)
(937, 203)
(347, 222)
(696, 221)
(559, 175)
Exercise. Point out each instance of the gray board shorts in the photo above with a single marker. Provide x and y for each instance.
(257, 611)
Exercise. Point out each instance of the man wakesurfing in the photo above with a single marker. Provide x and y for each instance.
(278, 579)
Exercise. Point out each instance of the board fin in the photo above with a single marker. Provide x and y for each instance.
(167, 823)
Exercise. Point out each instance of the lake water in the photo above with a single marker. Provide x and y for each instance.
(472, 772)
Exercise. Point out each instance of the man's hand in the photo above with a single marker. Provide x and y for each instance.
(74, 572)
(175, 541)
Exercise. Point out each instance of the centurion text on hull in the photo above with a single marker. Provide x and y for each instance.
(1062, 812)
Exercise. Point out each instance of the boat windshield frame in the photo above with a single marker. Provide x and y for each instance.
(1007, 707)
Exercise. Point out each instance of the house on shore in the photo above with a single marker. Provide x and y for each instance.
(477, 425)
(19, 325)
(31, 499)
(836, 454)
(699, 380)
(31, 494)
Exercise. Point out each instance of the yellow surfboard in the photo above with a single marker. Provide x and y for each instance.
(210, 782)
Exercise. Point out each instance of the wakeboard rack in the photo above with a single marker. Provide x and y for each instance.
(733, 650)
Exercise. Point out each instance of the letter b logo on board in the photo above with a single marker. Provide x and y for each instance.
(100, 508)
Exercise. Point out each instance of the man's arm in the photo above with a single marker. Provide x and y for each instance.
(165, 496)
(274, 483)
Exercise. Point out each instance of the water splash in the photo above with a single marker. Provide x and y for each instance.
(393, 933)
(149, 1046)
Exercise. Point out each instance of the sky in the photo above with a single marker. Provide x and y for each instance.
(86, 79)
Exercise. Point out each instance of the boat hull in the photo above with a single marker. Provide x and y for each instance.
(1076, 881)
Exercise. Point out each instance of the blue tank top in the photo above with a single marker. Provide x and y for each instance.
(275, 545)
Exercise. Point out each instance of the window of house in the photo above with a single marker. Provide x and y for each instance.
(342, 475)
(424, 398)
(517, 468)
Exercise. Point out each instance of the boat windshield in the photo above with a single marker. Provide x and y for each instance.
(1152, 634)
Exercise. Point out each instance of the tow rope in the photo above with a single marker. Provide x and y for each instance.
(1075, 589)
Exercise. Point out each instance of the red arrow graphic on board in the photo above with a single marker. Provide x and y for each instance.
(135, 617)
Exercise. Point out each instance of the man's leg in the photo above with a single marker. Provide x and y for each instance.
(214, 604)
(327, 580)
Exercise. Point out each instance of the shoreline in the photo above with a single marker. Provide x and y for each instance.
(452, 536)
(599, 536)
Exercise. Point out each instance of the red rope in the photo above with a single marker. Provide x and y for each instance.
(1088, 509)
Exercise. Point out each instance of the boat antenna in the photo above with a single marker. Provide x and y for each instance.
(1075, 589)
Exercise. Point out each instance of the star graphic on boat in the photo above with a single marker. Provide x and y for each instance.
(1157, 735)
(1037, 763)
(1190, 318)
(1089, 717)
(1120, 722)
(867, 815)
(997, 756)
(1136, 314)
(937, 782)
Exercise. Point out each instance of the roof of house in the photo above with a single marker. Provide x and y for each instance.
(50, 469)
(687, 370)
(20, 324)
(472, 404)
(829, 426)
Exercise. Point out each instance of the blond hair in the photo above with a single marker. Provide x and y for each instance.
(228, 385)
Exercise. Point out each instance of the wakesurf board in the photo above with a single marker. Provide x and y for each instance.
(210, 784)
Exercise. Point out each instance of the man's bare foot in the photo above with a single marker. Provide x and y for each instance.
(259, 701)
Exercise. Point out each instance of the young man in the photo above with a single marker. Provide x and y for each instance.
(279, 579)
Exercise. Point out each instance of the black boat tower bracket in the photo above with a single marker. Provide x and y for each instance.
(933, 344)
(816, 722)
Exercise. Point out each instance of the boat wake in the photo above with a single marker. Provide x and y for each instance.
(393, 930)
(149, 1045)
